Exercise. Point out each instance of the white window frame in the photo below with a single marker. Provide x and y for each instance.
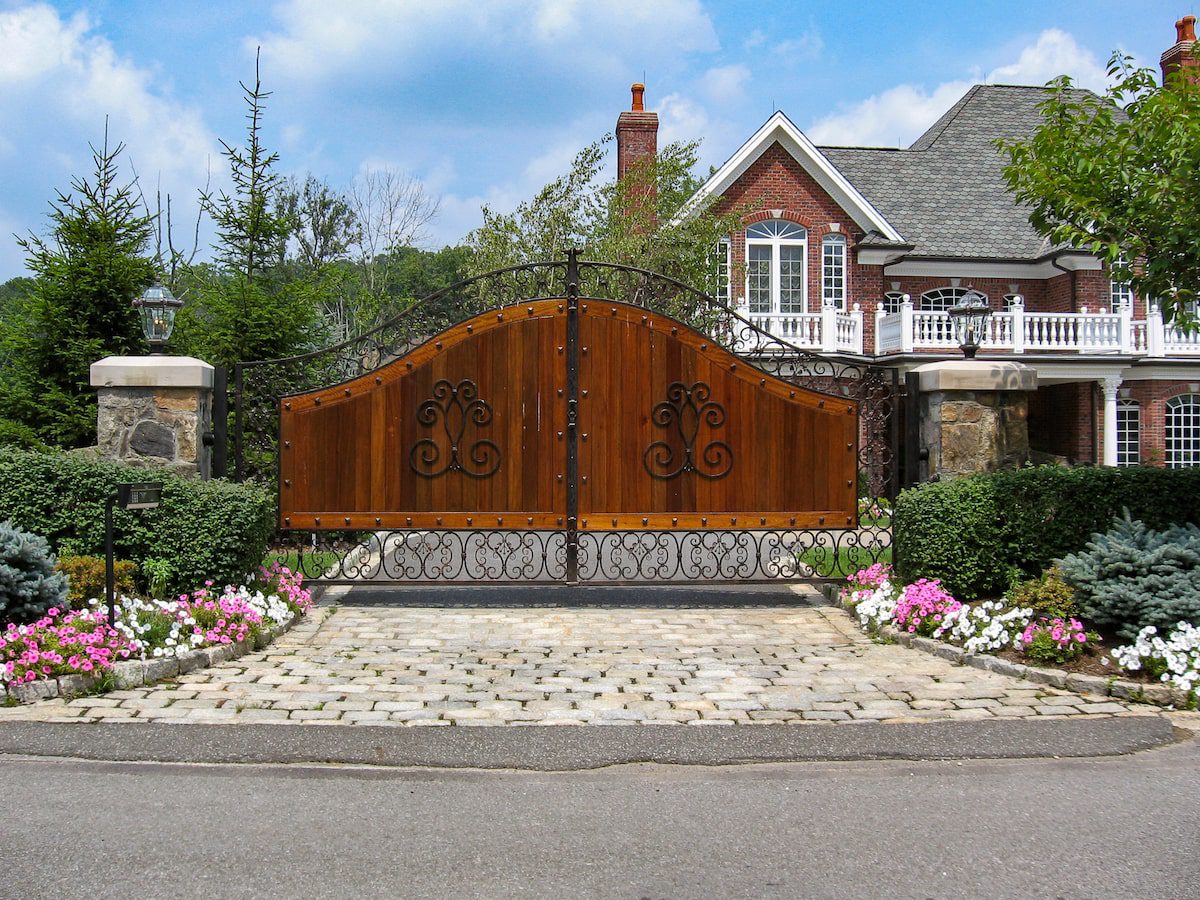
(892, 301)
(722, 262)
(775, 235)
(1129, 432)
(834, 289)
(1183, 431)
(1120, 294)
(944, 298)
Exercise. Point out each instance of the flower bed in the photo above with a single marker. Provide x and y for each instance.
(70, 651)
(924, 609)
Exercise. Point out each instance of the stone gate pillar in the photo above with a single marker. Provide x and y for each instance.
(155, 411)
(974, 416)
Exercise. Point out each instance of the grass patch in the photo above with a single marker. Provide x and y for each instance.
(825, 563)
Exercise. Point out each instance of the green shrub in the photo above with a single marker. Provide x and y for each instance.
(979, 533)
(1047, 594)
(28, 583)
(206, 529)
(1132, 576)
(86, 578)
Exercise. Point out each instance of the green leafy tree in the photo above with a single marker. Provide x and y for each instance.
(244, 307)
(638, 220)
(78, 308)
(1118, 175)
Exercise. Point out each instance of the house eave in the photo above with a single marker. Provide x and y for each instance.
(780, 129)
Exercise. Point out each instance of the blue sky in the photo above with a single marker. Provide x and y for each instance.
(484, 101)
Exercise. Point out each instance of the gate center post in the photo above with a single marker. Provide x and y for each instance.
(572, 416)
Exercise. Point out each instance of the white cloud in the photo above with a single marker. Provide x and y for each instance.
(900, 114)
(59, 82)
(317, 40)
(1055, 53)
(808, 46)
(894, 118)
(725, 84)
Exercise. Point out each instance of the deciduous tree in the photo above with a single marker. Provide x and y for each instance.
(1118, 175)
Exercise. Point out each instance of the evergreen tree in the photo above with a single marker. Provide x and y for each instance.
(79, 308)
(244, 307)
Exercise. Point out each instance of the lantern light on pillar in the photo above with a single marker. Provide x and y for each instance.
(969, 316)
(157, 307)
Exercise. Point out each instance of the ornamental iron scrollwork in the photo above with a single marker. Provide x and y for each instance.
(455, 405)
(686, 408)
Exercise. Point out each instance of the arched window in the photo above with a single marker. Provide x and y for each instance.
(1183, 431)
(776, 254)
(833, 271)
(942, 299)
(892, 301)
(1129, 432)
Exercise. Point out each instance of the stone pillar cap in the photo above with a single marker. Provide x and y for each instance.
(976, 375)
(152, 371)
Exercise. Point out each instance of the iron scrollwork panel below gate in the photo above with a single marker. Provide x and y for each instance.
(686, 408)
(455, 406)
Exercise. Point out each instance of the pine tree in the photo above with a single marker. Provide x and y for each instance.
(86, 275)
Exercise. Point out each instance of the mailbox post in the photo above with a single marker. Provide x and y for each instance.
(141, 495)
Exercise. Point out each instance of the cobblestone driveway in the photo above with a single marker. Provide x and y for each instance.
(535, 665)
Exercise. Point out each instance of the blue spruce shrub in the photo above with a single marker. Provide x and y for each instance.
(1132, 576)
(29, 584)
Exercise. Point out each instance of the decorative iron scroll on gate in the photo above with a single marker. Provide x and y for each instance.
(570, 421)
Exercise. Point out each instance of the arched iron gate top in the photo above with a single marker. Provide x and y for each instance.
(259, 384)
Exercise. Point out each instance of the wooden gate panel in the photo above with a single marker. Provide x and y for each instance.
(465, 431)
(678, 433)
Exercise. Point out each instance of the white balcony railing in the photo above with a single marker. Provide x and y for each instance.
(1018, 331)
(830, 330)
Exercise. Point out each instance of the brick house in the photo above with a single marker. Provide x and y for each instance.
(859, 251)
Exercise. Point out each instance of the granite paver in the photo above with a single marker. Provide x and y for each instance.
(592, 665)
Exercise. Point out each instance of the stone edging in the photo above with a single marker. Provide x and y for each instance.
(137, 672)
(1137, 692)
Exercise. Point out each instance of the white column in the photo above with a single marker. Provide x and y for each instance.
(906, 325)
(1125, 328)
(1156, 338)
(1112, 386)
(829, 329)
(1018, 323)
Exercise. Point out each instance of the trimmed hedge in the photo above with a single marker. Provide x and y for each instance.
(205, 529)
(980, 533)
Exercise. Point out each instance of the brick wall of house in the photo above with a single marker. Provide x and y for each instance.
(1061, 419)
(1152, 397)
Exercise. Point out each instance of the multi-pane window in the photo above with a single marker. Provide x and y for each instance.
(720, 271)
(1129, 432)
(776, 266)
(1183, 431)
(892, 301)
(1120, 294)
(833, 271)
(942, 299)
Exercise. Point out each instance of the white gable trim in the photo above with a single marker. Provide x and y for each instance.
(780, 128)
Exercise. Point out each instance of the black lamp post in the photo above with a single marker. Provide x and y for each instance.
(157, 308)
(969, 316)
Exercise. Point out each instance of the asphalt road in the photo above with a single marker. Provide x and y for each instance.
(1125, 826)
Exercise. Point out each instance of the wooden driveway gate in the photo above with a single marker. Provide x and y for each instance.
(573, 438)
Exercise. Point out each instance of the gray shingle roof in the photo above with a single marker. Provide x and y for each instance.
(945, 193)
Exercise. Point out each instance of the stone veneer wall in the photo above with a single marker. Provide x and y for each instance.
(155, 426)
(973, 431)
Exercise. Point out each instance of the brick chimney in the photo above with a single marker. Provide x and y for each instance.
(1180, 55)
(637, 133)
